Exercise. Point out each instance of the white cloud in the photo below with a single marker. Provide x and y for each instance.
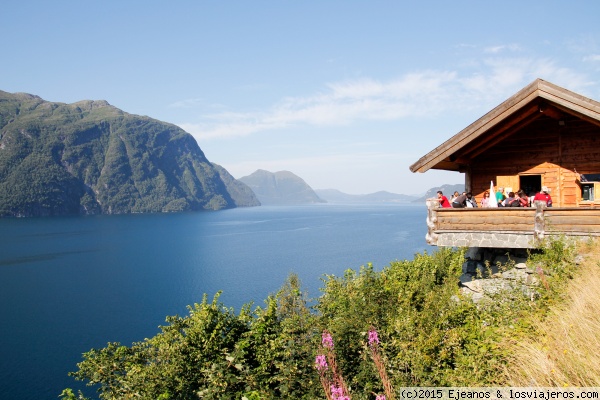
(331, 161)
(592, 58)
(187, 103)
(502, 77)
(418, 94)
(502, 48)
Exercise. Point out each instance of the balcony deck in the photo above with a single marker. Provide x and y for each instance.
(507, 227)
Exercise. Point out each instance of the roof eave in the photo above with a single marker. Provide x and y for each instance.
(569, 101)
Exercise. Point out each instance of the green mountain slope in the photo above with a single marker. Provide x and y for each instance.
(90, 157)
(280, 188)
(240, 193)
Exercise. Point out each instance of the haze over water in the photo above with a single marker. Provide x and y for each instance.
(71, 284)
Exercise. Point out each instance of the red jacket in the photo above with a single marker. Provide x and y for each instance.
(543, 197)
(444, 202)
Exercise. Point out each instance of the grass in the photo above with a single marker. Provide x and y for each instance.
(565, 350)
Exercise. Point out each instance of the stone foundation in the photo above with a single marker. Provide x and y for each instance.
(486, 239)
(488, 271)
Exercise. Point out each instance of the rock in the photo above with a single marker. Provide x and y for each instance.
(532, 280)
(464, 278)
(515, 274)
(474, 253)
(471, 267)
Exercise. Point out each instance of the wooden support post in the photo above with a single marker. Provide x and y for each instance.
(432, 206)
(539, 228)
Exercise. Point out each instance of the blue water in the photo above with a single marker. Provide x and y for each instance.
(71, 284)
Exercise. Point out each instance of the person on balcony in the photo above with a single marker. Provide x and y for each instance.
(443, 200)
(523, 198)
(519, 199)
(460, 201)
(544, 195)
(509, 200)
(486, 199)
(471, 202)
(500, 197)
(454, 196)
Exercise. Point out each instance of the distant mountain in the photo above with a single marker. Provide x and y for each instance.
(90, 157)
(446, 189)
(333, 195)
(280, 188)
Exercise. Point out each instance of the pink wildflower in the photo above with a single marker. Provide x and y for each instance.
(336, 392)
(373, 337)
(380, 397)
(321, 362)
(327, 340)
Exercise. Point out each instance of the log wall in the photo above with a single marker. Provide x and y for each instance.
(543, 148)
(486, 219)
(573, 220)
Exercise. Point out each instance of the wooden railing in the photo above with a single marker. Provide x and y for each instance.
(534, 222)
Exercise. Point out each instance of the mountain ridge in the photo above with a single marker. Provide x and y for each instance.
(269, 190)
(90, 157)
(382, 196)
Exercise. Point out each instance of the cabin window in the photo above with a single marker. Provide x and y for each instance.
(590, 177)
(590, 184)
(587, 191)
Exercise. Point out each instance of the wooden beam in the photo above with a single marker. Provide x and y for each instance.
(529, 115)
(477, 128)
(583, 117)
(570, 102)
(550, 111)
(560, 102)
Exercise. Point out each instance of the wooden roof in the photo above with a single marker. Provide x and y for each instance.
(539, 99)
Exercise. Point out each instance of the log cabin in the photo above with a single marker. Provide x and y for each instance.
(544, 135)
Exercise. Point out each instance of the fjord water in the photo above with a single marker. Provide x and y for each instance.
(75, 283)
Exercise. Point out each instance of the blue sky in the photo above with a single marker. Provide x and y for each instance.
(346, 94)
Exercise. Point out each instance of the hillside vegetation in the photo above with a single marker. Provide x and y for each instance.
(429, 334)
(90, 157)
(564, 351)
